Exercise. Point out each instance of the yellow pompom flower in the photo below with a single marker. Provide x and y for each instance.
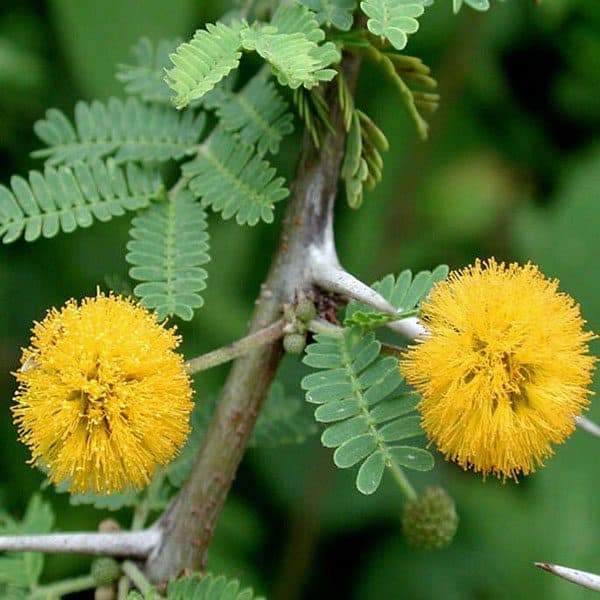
(505, 369)
(103, 398)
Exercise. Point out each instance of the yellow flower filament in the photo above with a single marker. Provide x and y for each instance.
(505, 369)
(102, 398)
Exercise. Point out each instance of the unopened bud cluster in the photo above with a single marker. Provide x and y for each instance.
(430, 521)
(297, 319)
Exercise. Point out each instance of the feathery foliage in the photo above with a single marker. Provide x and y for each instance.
(397, 68)
(258, 113)
(131, 130)
(204, 61)
(283, 420)
(145, 77)
(356, 391)
(232, 178)
(336, 13)
(290, 43)
(168, 246)
(313, 110)
(393, 19)
(362, 163)
(69, 197)
(404, 293)
(20, 571)
(208, 587)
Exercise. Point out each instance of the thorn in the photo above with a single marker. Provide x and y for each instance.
(588, 425)
(195, 511)
(582, 578)
(196, 542)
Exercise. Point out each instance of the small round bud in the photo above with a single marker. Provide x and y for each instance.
(430, 521)
(105, 592)
(109, 526)
(105, 570)
(306, 311)
(294, 343)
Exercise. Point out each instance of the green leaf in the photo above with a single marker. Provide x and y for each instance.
(259, 115)
(23, 569)
(69, 197)
(208, 587)
(168, 246)
(290, 43)
(131, 131)
(481, 5)
(393, 19)
(145, 76)
(337, 13)
(412, 458)
(356, 396)
(231, 178)
(370, 473)
(363, 164)
(282, 420)
(404, 293)
(204, 61)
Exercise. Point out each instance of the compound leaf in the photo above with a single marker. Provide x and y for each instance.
(258, 114)
(145, 76)
(337, 13)
(131, 131)
(291, 44)
(69, 197)
(208, 587)
(168, 246)
(231, 178)
(356, 393)
(393, 20)
(203, 61)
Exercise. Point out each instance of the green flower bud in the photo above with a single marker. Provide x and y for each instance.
(105, 592)
(430, 521)
(294, 343)
(306, 311)
(105, 570)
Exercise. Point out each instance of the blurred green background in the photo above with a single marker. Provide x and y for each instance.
(512, 170)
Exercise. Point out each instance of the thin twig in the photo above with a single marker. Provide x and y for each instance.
(222, 355)
(588, 426)
(59, 589)
(137, 577)
(136, 544)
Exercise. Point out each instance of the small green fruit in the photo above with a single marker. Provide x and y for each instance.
(294, 343)
(430, 521)
(105, 570)
(306, 311)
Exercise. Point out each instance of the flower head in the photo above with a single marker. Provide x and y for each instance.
(102, 397)
(505, 369)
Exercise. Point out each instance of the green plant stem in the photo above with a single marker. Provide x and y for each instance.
(222, 355)
(388, 69)
(325, 327)
(66, 586)
(135, 574)
(403, 483)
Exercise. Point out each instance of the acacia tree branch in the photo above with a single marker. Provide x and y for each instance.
(134, 544)
(222, 355)
(189, 522)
